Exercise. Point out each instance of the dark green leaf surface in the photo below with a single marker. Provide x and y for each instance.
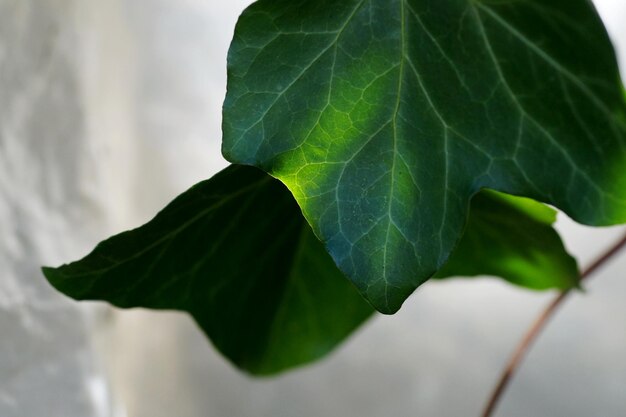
(384, 118)
(236, 252)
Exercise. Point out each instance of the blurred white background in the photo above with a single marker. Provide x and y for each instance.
(110, 109)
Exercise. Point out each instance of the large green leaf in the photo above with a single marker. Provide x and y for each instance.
(384, 118)
(236, 253)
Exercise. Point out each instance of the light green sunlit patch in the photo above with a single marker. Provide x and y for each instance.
(532, 271)
(335, 124)
(616, 173)
(532, 208)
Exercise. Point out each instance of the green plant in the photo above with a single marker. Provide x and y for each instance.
(405, 134)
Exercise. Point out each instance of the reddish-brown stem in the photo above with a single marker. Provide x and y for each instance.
(535, 330)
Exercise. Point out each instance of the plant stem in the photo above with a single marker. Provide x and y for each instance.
(535, 330)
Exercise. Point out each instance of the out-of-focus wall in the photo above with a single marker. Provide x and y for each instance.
(50, 208)
(108, 109)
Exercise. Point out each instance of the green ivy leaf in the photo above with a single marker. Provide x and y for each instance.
(236, 252)
(384, 118)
